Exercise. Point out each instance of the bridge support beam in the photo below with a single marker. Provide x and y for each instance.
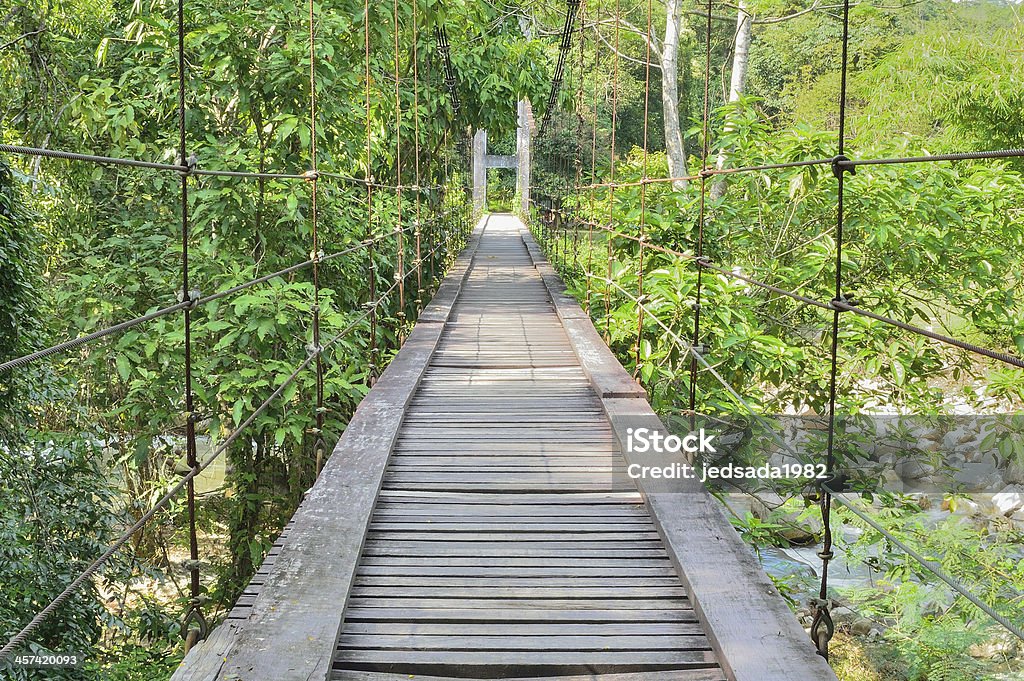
(524, 142)
(520, 161)
(480, 171)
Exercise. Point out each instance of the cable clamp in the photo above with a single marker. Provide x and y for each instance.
(194, 615)
(836, 303)
(192, 298)
(311, 175)
(702, 262)
(316, 256)
(834, 483)
(840, 165)
(822, 626)
(699, 348)
(314, 350)
(189, 565)
(189, 165)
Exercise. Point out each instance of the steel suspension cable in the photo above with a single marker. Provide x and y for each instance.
(579, 146)
(593, 176)
(611, 189)
(571, 8)
(194, 611)
(319, 446)
(371, 262)
(822, 626)
(416, 147)
(701, 212)
(399, 242)
(637, 365)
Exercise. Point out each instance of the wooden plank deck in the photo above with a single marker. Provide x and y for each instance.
(500, 539)
(519, 555)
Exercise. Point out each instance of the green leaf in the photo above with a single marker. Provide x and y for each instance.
(124, 367)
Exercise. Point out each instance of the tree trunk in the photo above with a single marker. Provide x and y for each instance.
(740, 61)
(670, 92)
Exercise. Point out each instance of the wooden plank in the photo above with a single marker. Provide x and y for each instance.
(521, 605)
(526, 658)
(507, 592)
(647, 675)
(539, 644)
(502, 629)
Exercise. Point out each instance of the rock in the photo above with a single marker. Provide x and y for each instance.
(977, 477)
(861, 626)
(874, 634)
(964, 506)
(1009, 500)
(798, 536)
(762, 505)
(951, 439)
(914, 470)
(1002, 647)
(1018, 520)
(844, 615)
(891, 481)
(1014, 472)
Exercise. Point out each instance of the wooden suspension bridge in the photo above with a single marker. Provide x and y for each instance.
(473, 521)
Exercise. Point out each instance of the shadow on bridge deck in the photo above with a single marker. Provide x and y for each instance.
(475, 520)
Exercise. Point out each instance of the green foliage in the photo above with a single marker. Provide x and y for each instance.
(50, 529)
(19, 309)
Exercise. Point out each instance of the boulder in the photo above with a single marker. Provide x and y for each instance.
(1009, 500)
(861, 626)
(997, 647)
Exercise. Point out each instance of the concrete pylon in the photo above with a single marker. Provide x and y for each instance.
(482, 161)
(524, 142)
(480, 171)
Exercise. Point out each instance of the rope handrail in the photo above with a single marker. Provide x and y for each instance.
(192, 168)
(170, 309)
(843, 305)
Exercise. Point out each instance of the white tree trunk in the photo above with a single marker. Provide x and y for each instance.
(740, 61)
(670, 92)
